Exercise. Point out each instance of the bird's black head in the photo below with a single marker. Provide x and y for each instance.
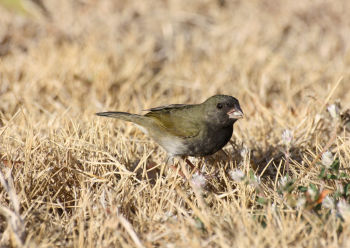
(222, 110)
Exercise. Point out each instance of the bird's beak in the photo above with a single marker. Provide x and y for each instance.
(235, 113)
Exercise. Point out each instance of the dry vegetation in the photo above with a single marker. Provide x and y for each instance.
(72, 179)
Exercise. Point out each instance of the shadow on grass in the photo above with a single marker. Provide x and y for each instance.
(265, 163)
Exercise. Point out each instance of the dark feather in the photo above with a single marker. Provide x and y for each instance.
(169, 107)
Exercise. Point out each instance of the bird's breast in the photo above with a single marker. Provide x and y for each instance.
(209, 141)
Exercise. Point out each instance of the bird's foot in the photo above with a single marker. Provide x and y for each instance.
(194, 169)
(173, 167)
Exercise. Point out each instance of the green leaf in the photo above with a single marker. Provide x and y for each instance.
(199, 223)
(331, 176)
(262, 200)
(322, 173)
(313, 187)
(337, 194)
(302, 188)
(335, 165)
(343, 175)
(347, 189)
(251, 174)
(289, 186)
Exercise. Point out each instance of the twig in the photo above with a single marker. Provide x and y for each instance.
(15, 231)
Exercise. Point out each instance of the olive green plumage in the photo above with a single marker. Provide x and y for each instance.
(188, 130)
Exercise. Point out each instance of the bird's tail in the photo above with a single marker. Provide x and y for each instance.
(123, 116)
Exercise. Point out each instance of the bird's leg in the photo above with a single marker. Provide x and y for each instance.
(180, 172)
(171, 164)
(195, 169)
(190, 164)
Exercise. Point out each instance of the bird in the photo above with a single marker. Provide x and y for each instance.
(195, 130)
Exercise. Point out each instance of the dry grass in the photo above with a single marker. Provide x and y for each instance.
(82, 181)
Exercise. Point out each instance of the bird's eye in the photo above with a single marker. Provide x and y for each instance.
(219, 105)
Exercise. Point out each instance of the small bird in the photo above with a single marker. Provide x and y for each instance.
(188, 129)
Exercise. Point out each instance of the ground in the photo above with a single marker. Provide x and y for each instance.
(73, 179)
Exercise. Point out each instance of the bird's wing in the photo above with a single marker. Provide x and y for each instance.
(168, 107)
(177, 119)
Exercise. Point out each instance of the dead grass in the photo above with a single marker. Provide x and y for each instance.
(84, 181)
